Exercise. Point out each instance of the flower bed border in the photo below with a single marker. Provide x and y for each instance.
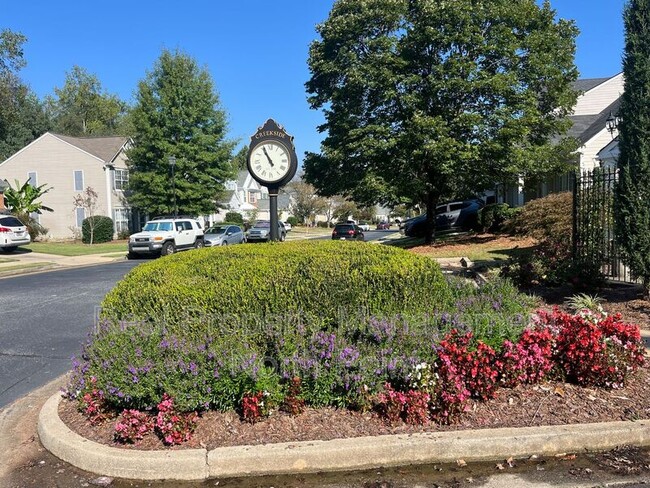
(335, 455)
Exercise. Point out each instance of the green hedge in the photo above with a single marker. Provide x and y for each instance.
(102, 227)
(235, 217)
(317, 280)
(496, 217)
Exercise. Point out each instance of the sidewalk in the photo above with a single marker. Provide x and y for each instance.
(30, 262)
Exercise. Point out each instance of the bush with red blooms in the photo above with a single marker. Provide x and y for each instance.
(253, 406)
(132, 426)
(293, 403)
(93, 406)
(594, 349)
(529, 359)
(412, 406)
(172, 426)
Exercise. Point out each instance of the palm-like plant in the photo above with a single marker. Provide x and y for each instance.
(24, 201)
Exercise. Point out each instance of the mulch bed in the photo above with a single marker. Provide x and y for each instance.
(550, 403)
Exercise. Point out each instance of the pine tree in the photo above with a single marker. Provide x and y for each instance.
(632, 202)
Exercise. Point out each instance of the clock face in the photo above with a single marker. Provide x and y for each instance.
(270, 161)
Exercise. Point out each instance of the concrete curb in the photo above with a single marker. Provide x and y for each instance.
(335, 455)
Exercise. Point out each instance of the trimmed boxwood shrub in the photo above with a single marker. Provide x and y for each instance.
(102, 229)
(317, 280)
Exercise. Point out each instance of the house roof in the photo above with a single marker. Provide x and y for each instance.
(587, 126)
(284, 202)
(104, 148)
(587, 84)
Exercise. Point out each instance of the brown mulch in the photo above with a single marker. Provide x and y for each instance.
(552, 403)
(463, 245)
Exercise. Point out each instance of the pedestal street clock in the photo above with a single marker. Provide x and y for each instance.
(272, 162)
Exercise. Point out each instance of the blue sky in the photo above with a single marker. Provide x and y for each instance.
(256, 51)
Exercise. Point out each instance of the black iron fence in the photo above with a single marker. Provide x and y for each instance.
(594, 246)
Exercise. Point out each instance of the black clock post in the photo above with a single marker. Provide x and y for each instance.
(272, 162)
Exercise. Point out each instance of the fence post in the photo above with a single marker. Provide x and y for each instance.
(574, 188)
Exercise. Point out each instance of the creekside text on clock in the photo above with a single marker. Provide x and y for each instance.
(272, 133)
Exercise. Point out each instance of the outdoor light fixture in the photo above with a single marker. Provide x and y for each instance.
(612, 123)
(172, 164)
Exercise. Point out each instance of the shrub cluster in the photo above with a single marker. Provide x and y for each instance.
(234, 217)
(497, 217)
(99, 227)
(550, 221)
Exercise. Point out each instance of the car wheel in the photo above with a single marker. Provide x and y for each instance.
(167, 249)
(283, 237)
(131, 255)
(199, 244)
(9, 249)
(224, 243)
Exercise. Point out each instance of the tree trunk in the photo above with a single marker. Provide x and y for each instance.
(432, 202)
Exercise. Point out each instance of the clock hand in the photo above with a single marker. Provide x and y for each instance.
(267, 156)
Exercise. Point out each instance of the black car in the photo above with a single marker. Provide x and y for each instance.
(450, 215)
(351, 232)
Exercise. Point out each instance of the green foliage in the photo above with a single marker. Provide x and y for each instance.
(235, 217)
(550, 221)
(82, 108)
(319, 281)
(306, 203)
(419, 112)
(210, 326)
(177, 113)
(293, 221)
(102, 229)
(495, 217)
(23, 201)
(583, 301)
(22, 117)
(632, 213)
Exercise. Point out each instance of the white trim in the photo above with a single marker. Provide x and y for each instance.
(109, 191)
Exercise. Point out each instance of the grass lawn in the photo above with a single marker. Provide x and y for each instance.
(486, 249)
(23, 266)
(76, 248)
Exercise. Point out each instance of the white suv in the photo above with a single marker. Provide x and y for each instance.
(166, 236)
(13, 233)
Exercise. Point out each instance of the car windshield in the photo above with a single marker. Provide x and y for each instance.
(216, 230)
(11, 222)
(263, 224)
(154, 226)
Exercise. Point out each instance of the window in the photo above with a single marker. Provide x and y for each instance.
(32, 179)
(78, 180)
(120, 179)
(81, 215)
(121, 218)
(251, 197)
(456, 206)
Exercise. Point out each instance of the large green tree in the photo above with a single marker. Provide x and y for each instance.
(178, 114)
(632, 200)
(82, 108)
(426, 100)
(22, 117)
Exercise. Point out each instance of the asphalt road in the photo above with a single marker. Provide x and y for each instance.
(43, 320)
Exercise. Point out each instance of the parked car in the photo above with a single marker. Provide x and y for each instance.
(450, 215)
(13, 233)
(166, 236)
(383, 226)
(261, 231)
(350, 232)
(222, 235)
(287, 226)
(365, 226)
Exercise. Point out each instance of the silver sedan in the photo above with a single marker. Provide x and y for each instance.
(222, 235)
